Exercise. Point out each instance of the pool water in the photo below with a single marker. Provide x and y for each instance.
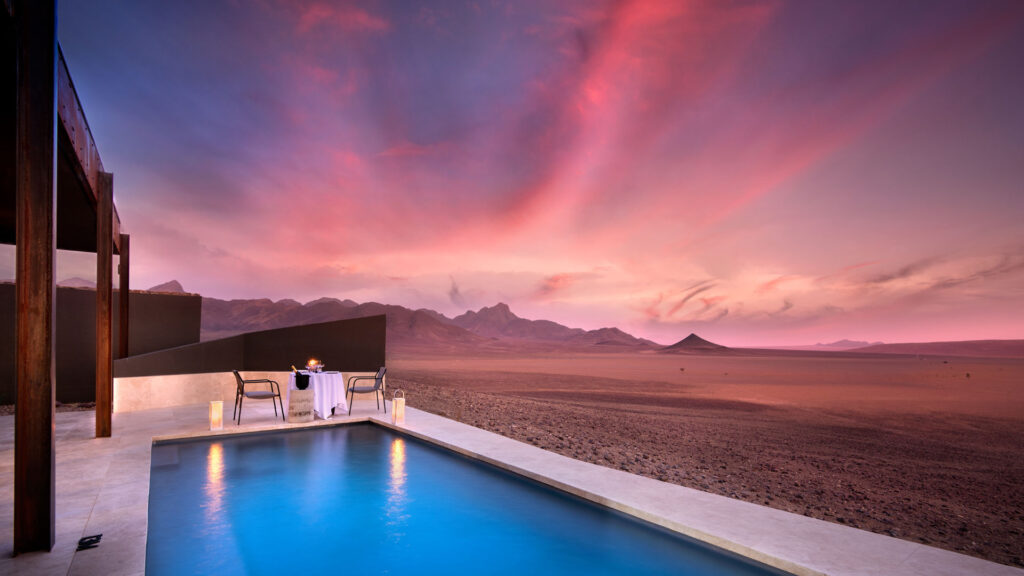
(360, 499)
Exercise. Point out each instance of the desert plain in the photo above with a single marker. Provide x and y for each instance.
(925, 448)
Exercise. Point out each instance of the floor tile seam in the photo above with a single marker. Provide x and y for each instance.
(1002, 568)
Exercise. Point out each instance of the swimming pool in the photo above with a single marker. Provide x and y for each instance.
(361, 499)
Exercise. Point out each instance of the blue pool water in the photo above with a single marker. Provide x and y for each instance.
(362, 500)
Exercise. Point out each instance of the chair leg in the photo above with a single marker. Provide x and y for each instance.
(240, 400)
(350, 403)
(385, 400)
(281, 400)
(377, 398)
(275, 407)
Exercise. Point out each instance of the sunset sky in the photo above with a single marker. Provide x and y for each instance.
(760, 173)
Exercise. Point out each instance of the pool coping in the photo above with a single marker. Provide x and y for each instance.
(790, 542)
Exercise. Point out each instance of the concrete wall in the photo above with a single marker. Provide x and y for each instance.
(158, 321)
(146, 392)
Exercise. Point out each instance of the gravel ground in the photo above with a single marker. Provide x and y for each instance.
(8, 409)
(951, 481)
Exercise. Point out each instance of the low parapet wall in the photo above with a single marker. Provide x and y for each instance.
(167, 391)
(147, 392)
(201, 372)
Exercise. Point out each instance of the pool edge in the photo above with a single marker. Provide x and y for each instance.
(700, 536)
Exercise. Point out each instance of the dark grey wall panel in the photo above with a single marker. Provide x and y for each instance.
(354, 345)
(76, 345)
(158, 321)
(214, 356)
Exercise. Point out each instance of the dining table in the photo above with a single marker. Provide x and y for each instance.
(328, 391)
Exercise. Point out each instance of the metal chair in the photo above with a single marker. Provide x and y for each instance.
(241, 394)
(378, 386)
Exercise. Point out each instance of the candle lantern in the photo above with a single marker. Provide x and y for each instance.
(398, 408)
(217, 415)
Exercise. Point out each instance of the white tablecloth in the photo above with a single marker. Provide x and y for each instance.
(328, 391)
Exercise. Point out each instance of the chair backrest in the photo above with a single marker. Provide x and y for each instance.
(378, 380)
(238, 380)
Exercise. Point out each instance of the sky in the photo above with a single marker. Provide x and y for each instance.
(760, 173)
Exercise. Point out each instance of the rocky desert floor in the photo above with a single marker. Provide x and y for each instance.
(925, 449)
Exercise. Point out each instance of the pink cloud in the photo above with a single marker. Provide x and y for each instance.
(345, 17)
(410, 149)
(866, 97)
(771, 285)
(554, 284)
(640, 139)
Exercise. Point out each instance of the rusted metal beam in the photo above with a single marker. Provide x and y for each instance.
(36, 192)
(104, 295)
(124, 275)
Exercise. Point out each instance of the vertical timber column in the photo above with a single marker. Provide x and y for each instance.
(123, 273)
(104, 300)
(36, 169)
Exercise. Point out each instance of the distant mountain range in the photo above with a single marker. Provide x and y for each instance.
(490, 327)
(496, 328)
(77, 282)
(971, 348)
(498, 321)
(837, 346)
(173, 287)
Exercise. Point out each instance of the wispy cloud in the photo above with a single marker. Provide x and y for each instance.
(699, 288)
(455, 295)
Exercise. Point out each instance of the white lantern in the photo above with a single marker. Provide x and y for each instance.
(398, 408)
(216, 415)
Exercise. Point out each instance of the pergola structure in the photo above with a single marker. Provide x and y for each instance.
(56, 196)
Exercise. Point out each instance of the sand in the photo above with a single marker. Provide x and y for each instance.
(909, 447)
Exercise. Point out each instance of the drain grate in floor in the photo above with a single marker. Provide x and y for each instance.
(89, 542)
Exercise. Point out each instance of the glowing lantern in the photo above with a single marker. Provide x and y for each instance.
(217, 415)
(313, 365)
(398, 408)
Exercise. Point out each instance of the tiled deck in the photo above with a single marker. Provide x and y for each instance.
(103, 487)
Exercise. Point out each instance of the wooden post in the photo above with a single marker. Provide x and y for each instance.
(123, 273)
(104, 299)
(36, 193)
